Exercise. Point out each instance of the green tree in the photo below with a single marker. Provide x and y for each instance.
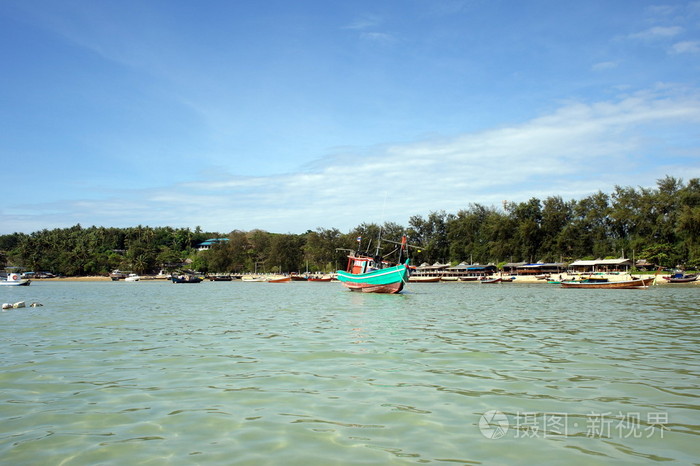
(431, 235)
(321, 250)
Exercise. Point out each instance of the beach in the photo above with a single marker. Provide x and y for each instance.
(522, 279)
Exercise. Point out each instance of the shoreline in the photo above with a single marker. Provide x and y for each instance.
(91, 278)
(517, 279)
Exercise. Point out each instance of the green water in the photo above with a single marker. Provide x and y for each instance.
(308, 373)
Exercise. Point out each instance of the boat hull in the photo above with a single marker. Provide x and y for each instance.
(390, 280)
(220, 279)
(186, 280)
(22, 282)
(683, 279)
(627, 284)
(424, 279)
(489, 281)
(280, 280)
(368, 288)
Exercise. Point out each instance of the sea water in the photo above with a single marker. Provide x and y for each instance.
(309, 373)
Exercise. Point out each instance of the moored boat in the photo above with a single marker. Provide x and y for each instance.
(323, 278)
(118, 275)
(253, 278)
(624, 284)
(471, 278)
(13, 279)
(372, 275)
(491, 280)
(279, 279)
(388, 280)
(185, 279)
(682, 278)
(220, 278)
(413, 279)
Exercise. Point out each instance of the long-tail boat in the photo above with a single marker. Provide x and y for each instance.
(682, 278)
(625, 284)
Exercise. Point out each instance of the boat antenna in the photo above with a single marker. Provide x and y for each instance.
(381, 225)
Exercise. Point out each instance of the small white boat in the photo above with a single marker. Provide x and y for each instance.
(132, 278)
(253, 278)
(13, 279)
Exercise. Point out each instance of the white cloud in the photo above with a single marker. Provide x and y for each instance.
(605, 65)
(573, 151)
(661, 10)
(657, 32)
(381, 37)
(686, 47)
(365, 22)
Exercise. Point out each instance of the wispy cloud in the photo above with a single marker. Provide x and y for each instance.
(573, 151)
(368, 28)
(380, 37)
(605, 65)
(657, 32)
(661, 10)
(365, 22)
(686, 47)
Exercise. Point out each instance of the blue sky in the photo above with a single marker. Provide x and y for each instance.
(294, 115)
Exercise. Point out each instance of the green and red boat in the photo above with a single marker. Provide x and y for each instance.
(373, 275)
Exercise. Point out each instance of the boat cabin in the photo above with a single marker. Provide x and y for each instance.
(364, 264)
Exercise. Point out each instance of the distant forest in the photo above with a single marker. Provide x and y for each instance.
(661, 225)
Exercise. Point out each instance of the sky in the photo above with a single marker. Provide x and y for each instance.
(289, 116)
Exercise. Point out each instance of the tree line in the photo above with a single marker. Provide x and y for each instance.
(661, 225)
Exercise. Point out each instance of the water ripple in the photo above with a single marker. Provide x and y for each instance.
(309, 373)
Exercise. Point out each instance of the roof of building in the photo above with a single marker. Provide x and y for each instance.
(541, 264)
(602, 262)
(471, 267)
(212, 241)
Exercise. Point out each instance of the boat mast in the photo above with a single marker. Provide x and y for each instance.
(401, 249)
(379, 242)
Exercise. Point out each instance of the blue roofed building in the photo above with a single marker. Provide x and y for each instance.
(208, 244)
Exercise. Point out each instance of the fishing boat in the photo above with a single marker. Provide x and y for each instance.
(132, 278)
(373, 275)
(253, 278)
(185, 279)
(413, 279)
(324, 278)
(117, 275)
(486, 281)
(14, 279)
(682, 278)
(624, 284)
(279, 279)
(220, 278)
